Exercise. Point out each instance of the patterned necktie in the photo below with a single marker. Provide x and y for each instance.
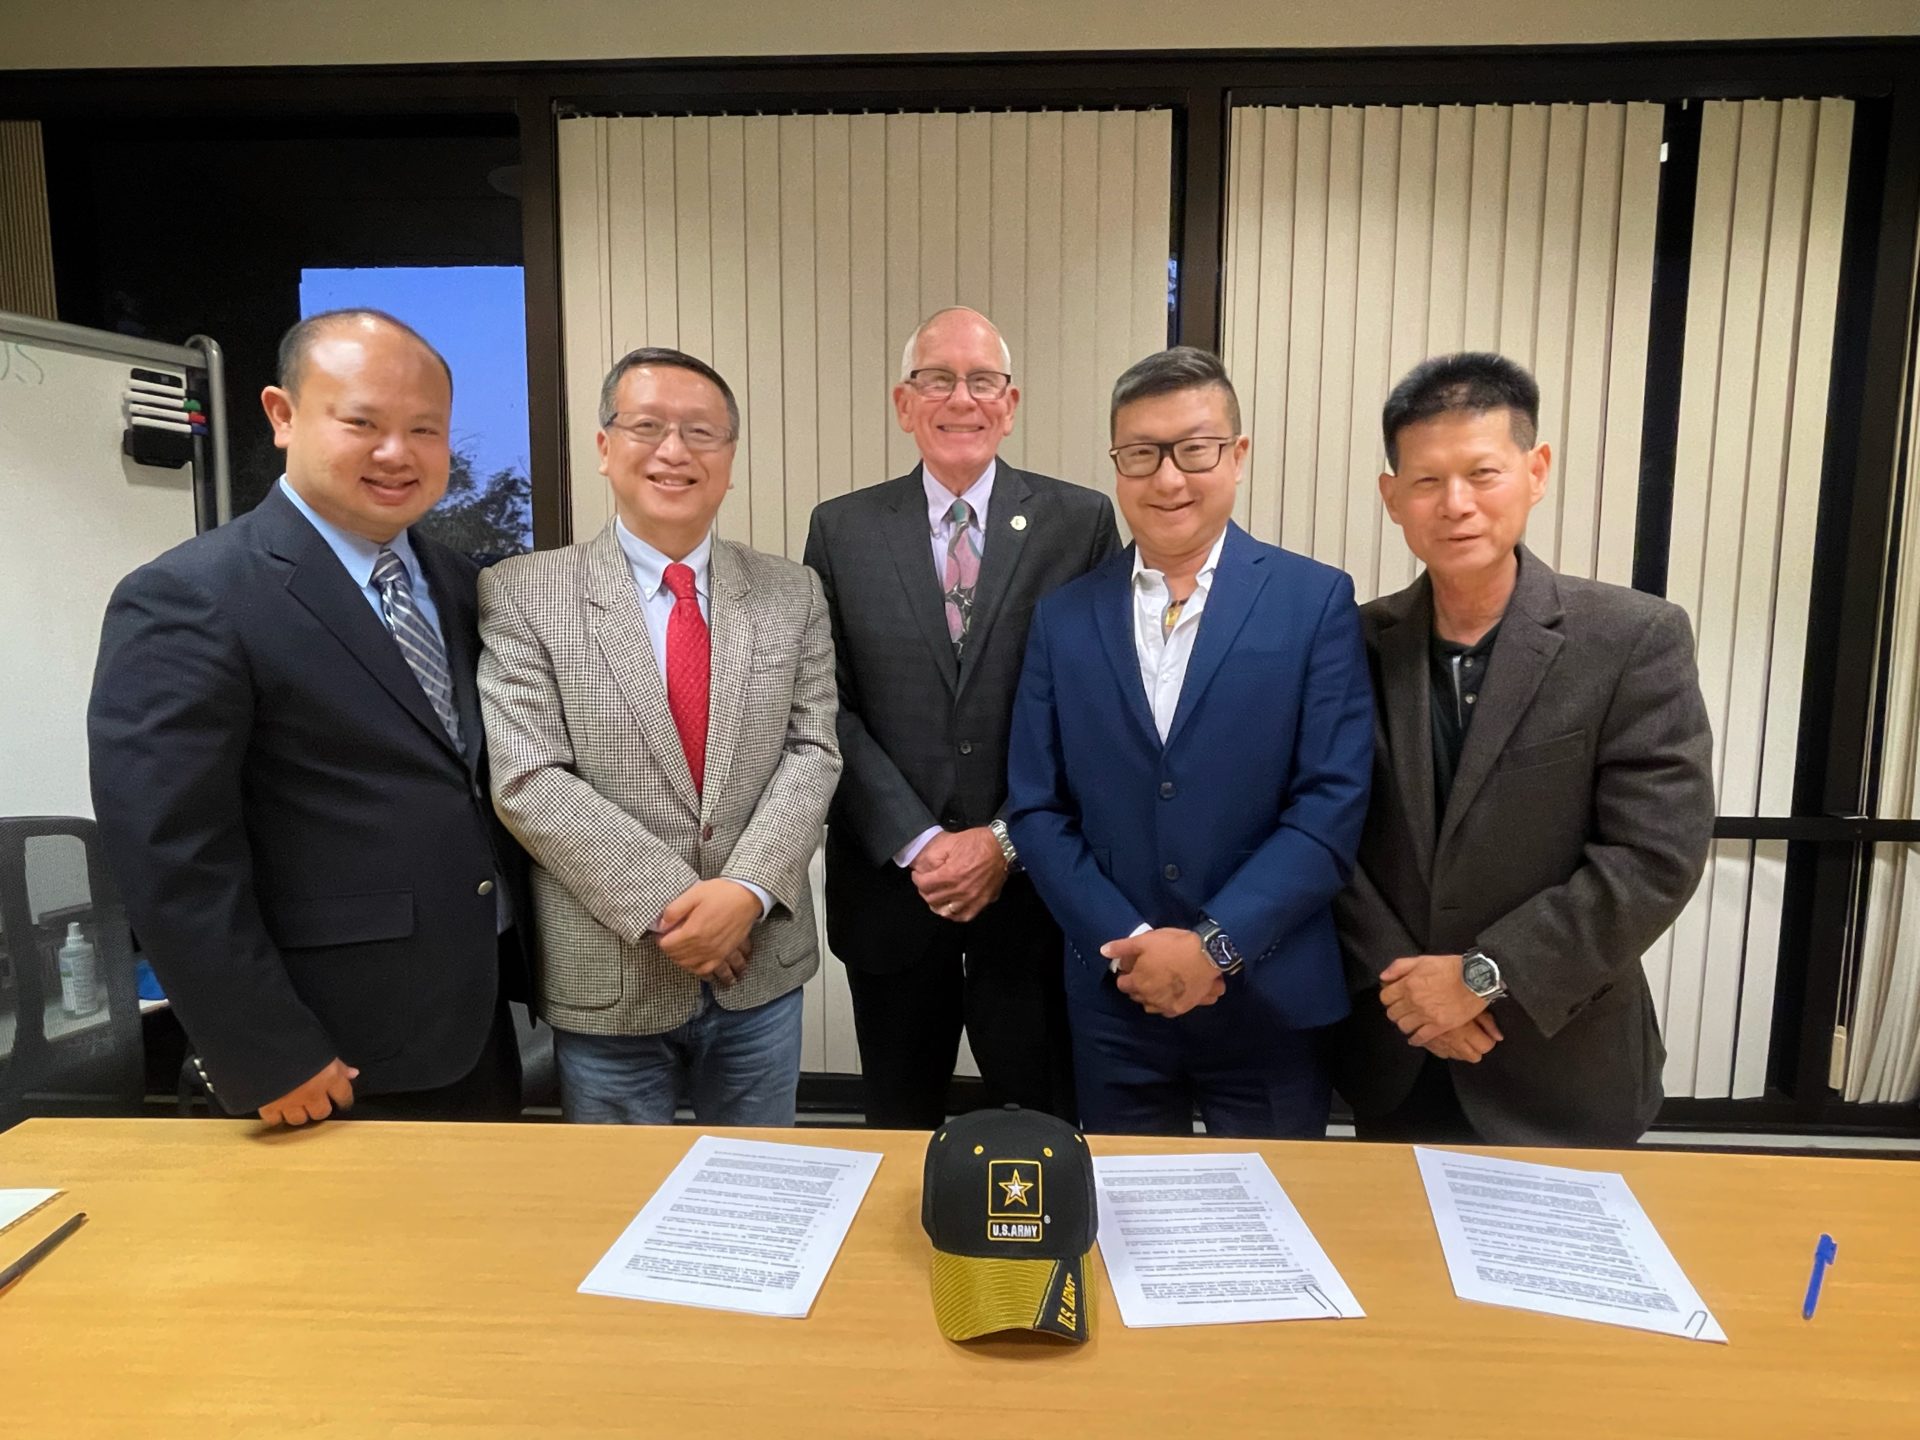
(689, 671)
(426, 652)
(963, 573)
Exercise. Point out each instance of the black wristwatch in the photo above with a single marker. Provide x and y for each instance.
(1482, 975)
(1219, 948)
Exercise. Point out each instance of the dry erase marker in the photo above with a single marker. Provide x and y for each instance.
(1824, 1255)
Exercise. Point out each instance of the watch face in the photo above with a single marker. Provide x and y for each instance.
(1479, 974)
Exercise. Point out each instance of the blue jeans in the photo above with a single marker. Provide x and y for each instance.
(739, 1067)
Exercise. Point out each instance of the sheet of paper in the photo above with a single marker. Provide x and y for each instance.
(16, 1205)
(1563, 1242)
(746, 1225)
(1210, 1240)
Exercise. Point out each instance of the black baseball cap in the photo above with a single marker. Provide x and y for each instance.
(1007, 1199)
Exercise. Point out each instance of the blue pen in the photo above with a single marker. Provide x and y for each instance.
(1824, 1255)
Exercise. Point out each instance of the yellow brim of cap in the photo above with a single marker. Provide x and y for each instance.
(974, 1297)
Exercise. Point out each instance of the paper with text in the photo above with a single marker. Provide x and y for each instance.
(1210, 1240)
(747, 1225)
(1559, 1241)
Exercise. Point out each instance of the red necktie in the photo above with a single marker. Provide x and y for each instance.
(689, 668)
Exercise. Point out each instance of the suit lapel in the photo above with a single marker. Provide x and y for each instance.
(1005, 543)
(457, 628)
(904, 523)
(1407, 695)
(1113, 619)
(731, 628)
(620, 628)
(1237, 582)
(319, 582)
(1528, 642)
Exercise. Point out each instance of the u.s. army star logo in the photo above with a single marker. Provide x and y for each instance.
(1014, 1210)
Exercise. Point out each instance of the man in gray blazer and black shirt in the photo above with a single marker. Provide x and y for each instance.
(931, 579)
(1542, 802)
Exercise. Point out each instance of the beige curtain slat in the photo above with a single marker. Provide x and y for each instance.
(663, 249)
(973, 212)
(1553, 324)
(1412, 278)
(1272, 179)
(833, 357)
(629, 215)
(1627, 368)
(693, 235)
(1081, 383)
(904, 310)
(798, 312)
(1113, 260)
(1372, 340)
(1452, 204)
(1007, 281)
(727, 191)
(764, 510)
(26, 236)
(1307, 334)
(875, 362)
(586, 324)
(1582, 437)
(1486, 225)
(1344, 157)
(1152, 230)
(1047, 223)
(939, 211)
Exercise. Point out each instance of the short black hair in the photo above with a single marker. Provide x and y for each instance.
(298, 342)
(1472, 382)
(1179, 367)
(673, 359)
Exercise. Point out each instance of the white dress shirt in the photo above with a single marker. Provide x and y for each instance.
(1163, 656)
(649, 569)
(939, 502)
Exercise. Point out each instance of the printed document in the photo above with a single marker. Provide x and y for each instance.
(745, 1225)
(1563, 1242)
(1210, 1240)
(16, 1205)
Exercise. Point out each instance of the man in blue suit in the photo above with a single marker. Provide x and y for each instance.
(1192, 742)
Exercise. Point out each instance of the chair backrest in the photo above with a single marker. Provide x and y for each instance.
(69, 1045)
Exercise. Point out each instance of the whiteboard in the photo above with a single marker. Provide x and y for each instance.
(75, 516)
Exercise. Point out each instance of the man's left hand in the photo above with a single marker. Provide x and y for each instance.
(706, 928)
(1426, 996)
(1166, 972)
(961, 873)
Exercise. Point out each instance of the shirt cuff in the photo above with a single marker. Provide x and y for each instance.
(910, 852)
(1113, 966)
(766, 900)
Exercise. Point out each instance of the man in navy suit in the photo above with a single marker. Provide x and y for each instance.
(289, 772)
(1192, 743)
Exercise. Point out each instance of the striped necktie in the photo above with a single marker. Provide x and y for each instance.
(425, 651)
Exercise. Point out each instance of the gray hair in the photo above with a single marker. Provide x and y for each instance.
(1166, 372)
(912, 349)
(673, 359)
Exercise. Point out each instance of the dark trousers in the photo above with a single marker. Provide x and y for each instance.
(1244, 1072)
(999, 978)
(1429, 1115)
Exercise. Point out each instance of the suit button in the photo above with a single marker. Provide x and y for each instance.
(1166, 789)
(486, 887)
(966, 747)
(706, 832)
(1172, 872)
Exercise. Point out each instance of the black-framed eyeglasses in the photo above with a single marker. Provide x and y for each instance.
(937, 384)
(1193, 455)
(651, 430)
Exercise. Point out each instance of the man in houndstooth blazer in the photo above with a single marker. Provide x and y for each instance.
(660, 705)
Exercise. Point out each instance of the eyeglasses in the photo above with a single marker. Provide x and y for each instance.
(981, 384)
(651, 430)
(1192, 456)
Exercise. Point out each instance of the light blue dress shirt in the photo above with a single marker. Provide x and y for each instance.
(649, 569)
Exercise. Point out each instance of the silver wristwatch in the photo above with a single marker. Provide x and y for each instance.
(1220, 949)
(1482, 975)
(1007, 852)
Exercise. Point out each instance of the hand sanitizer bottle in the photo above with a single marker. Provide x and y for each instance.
(79, 974)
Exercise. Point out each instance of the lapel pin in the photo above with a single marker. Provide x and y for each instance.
(1019, 522)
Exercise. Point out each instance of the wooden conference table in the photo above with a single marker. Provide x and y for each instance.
(420, 1280)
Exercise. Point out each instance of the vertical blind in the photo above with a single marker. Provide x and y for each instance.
(1361, 241)
(26, 243)
(798, 252)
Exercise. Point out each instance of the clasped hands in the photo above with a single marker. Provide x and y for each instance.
(960, 872)
(1426, 996)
